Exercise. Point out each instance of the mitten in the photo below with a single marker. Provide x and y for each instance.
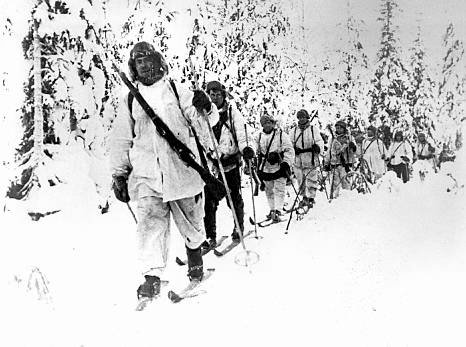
(201, 101)
(248, 153)
(285, 169)
(315, 148)
(120, 188)
(273, 158)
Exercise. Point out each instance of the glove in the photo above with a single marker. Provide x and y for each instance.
(273, 158)
(352, 146)
(262, 186)
(315, 148)
(383, 157)
(285, 169)
(120, 188)
(405, 158)
(201, 101)
(326, 167)
(248, 153)
(421, 157)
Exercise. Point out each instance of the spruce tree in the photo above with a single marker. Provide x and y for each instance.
(74, 89)
(420, 94)
(451, 89)
(389, 84)
(238, 47)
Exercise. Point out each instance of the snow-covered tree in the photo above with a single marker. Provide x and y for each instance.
(352, 74)
(236, 43)
(451, 90)
(420, 94)
(148, 21)
(390, 79)
(74, 89)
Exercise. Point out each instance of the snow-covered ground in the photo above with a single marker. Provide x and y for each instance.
(382, 269)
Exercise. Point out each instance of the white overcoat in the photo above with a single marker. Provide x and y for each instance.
(136, 146)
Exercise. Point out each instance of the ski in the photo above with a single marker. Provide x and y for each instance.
(231, 246)
(190, 290)
(183, 262)
(144, 301)
(264, 223)
(257, 223)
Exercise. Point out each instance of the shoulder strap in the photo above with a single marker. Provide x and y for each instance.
(232, 126)
(297, 138)
(172, 83)
(130, 108)
(367, 147)
(268, 148)
(200, 148)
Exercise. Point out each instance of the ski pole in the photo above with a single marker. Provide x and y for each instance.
(322, 174)
(132, 213)
(220, 166)
(295, 201)
(248, 162)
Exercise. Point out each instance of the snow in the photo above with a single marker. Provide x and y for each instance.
(381, 269)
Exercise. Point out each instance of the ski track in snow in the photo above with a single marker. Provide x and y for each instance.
(384, 269)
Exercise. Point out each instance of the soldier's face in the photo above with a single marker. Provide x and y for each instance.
(303, 119)
(267, 126)
(149, 69)
(217, 97)
(144, 66)
(339, 129)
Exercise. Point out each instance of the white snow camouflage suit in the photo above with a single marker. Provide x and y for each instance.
(159, 181)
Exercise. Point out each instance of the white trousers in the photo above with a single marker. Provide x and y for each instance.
(153, 231)
(275, 193)
(309, 176)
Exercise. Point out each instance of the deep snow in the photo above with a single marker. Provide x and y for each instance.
(381, 269)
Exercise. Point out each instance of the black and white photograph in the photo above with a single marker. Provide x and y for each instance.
(232, 173)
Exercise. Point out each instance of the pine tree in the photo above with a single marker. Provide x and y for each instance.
(390, 79)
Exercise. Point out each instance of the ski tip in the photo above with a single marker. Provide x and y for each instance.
(179, 261)
(174, 297)
(142, 304)
(218, 253)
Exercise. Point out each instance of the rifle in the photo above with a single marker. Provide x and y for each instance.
(183, 151)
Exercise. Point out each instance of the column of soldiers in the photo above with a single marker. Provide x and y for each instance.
(148, 171)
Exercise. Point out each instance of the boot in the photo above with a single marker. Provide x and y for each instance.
(276, 216)
(150, 288)
(209, 243)
(195, 264)
(270, 215)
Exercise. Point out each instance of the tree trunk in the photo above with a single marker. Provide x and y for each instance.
(38, 115)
